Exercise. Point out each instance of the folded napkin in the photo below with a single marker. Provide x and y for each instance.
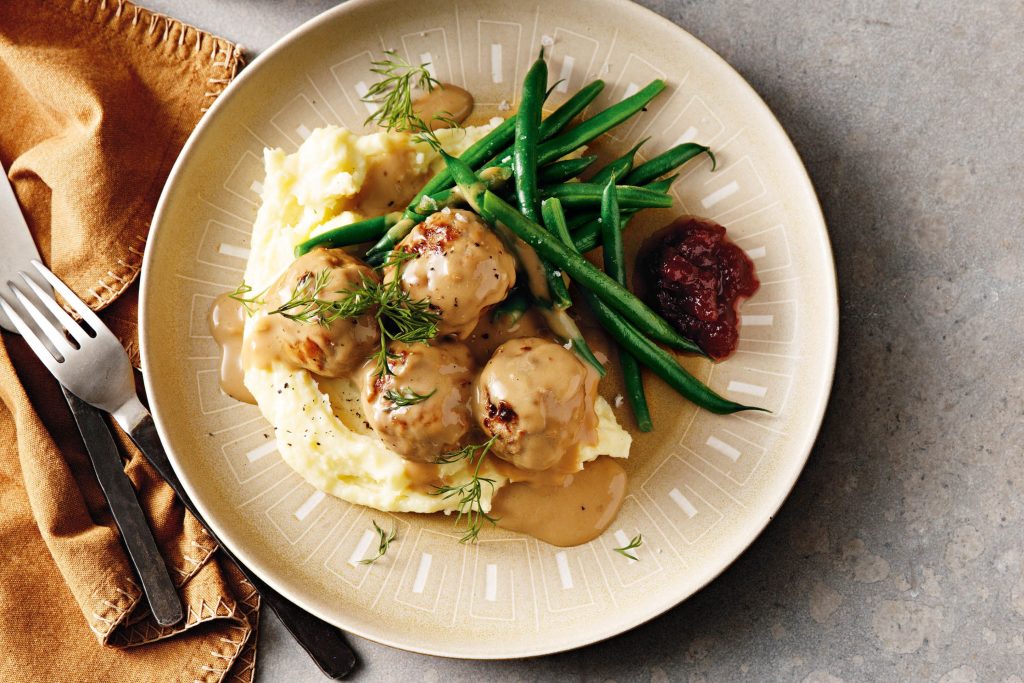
(97, 98)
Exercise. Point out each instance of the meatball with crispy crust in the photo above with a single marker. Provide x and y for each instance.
(333, 348)
(421, 410)
(537, 398)
(459, 264)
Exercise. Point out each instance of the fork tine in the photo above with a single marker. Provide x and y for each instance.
(73, 328)
(34, 342)
(49, 330)
(84, 311)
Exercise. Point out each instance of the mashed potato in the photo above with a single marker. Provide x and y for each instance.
(320, 430)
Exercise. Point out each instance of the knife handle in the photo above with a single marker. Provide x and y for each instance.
(324, 643)
(164, 602)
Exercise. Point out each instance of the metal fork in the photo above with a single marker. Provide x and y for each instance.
(94, 366)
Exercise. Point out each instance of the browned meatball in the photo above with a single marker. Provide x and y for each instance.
(334, 349)
(460, 266)
(427, 428)
(538, 398)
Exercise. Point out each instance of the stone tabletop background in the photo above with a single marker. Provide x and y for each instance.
(900, 554)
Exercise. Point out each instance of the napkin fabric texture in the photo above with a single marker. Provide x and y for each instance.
(97, 98)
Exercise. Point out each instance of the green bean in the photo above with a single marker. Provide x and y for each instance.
(617, 167)
(582, 272)
(353, 233)
(559, 321)
(561, 171)
(665, 162)
(453, 197)
(597, 125)
(661, 362)
(524, 149)
(588, 194)
(615, 267)
(524, 165)
(513, 307)
(479, 152)
(588, 236)
(554, 219)
(557, 120)
(560, 117)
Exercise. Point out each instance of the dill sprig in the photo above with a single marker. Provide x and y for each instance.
(425, 133)
(398, 316)
(469, 495)
(386, 538)
(404, 398)
(249, 303)
(306, 304)
(634, 543)
(393, 94)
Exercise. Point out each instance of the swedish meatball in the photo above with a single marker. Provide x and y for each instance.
(538, 398)
(334, 349)
(460, 265)
(423, 429)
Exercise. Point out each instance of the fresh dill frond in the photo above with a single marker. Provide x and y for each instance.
(469, 495)
(404, 398)
(307, 305)
(425, 133)
(396, 258)
(399, 317)
(386, 538)
(634, 543)
(393, 94)
(249, 303)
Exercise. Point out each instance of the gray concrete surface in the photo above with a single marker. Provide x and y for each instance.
(900, 554)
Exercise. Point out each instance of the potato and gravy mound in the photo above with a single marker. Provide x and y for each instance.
(394, 386)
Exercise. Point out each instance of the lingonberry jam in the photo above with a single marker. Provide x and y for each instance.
(696, 278)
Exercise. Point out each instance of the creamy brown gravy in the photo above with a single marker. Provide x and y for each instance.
(491, 332)
(227, 320)
(447, 100)
(569, 513)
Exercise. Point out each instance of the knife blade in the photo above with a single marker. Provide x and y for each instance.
(18, 251)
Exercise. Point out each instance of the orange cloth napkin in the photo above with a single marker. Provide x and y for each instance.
(97, 98)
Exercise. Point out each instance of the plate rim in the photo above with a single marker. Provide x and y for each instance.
(732, 550)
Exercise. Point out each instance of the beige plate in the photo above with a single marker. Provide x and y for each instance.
(702, 487)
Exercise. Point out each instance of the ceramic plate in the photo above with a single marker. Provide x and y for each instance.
(701, 486)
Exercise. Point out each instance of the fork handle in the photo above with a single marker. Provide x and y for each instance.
(321, 641)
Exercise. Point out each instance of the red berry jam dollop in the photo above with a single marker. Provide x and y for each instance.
(696, 280)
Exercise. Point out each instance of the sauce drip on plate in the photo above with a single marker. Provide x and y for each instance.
(227, 320)
(569, 513)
